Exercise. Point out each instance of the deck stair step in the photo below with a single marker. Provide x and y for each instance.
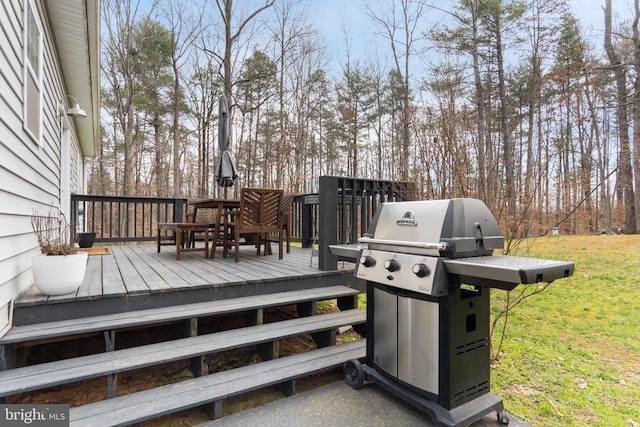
(35, 377)
(139, 318)
(210, 390)
(207, 390)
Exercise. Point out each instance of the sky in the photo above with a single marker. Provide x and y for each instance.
(332, 16)
(331, 13)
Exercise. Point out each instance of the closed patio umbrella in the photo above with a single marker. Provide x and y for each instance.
(226, 172)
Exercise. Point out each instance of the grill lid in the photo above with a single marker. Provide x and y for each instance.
(453, 228)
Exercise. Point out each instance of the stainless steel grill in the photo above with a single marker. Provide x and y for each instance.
(429, 266)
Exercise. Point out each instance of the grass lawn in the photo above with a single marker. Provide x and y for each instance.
(571, 356)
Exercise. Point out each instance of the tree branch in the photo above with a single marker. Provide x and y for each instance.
(246, 21)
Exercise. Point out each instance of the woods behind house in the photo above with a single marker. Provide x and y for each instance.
(513, 102)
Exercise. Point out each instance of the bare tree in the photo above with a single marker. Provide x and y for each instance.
(625, 169)
(636, 105)
(203, 91)
(498, 18)
(231, 35)
(398, 22)
(465, 37)
(120, 18)
(293, 52)
(185, 28)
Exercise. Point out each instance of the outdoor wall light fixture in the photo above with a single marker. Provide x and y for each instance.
(74, 111)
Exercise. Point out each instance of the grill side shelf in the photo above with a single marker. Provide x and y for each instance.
(504, 270)
(348, 252)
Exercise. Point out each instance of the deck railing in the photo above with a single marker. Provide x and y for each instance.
(124, 219)
(346, 207)
(339, 213)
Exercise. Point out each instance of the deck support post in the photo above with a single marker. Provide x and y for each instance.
(7, 357)
(347, 303)
(269, 350)
(197, 364)
(324, 338)
(112, 380)
(307, 308)
(255, 317)
(288, 387)
(214, 409)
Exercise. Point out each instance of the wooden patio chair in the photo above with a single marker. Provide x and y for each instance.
(285, 212)
(199, 216)
(258, 217)
(182, 231)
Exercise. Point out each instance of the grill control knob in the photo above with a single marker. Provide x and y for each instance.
(367, 261)
(421, 270)
(391, 265)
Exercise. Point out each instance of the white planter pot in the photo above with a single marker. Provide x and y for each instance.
(59, 274)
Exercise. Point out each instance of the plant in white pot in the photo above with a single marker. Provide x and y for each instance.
(59, 268)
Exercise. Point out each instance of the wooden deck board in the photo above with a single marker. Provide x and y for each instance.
(32, 297)
(112, 281)
(193, 277)
(91, 287)
(173, 274)
(138, 277)
(133, 281)
(154, 281)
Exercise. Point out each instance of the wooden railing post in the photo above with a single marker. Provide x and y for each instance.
(327, 219)
(307, 224)
(178, 210)
(346, 206)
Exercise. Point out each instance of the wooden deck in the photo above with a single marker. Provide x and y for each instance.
(134, 277)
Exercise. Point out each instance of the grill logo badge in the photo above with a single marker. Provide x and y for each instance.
(408, 219)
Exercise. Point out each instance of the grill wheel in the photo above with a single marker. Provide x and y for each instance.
(353, 374)
(503, 417)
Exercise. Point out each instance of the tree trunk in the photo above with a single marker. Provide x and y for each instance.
(508, 154)
(480, 105)
(636, 109)
(226, 11)
(177, 173)
(160, 182)
(625, 169)
(129, 151)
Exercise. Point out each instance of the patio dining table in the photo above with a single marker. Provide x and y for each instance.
(223, 207)
(216, 203)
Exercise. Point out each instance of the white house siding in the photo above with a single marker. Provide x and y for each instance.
(29, 172)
